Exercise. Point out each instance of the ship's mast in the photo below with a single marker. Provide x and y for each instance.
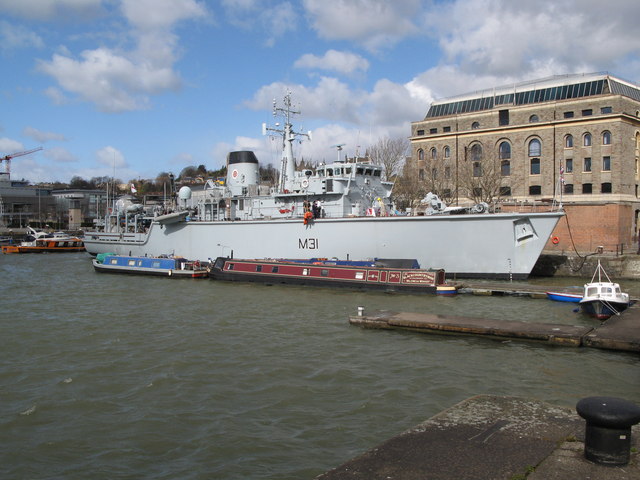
(288, 164)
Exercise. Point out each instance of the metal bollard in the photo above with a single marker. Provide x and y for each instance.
(608, 433)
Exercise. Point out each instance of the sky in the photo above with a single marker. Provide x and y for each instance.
(133, 88)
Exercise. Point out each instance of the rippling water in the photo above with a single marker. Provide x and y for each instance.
(115, 376)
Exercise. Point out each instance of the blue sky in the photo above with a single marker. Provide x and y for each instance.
(147, 86)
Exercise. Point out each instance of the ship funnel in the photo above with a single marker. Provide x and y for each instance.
(242, 171)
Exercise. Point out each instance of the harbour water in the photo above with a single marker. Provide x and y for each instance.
(115, 376)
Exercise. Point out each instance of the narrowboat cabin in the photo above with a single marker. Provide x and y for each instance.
(364, 275)
(174, 267)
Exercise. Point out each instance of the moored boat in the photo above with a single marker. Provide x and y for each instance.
(603, 298)
(365, 275)
(564, 297)
(37, 241)
(174, 267)
(342, 209)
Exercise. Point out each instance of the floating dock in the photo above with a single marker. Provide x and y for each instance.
(488, 437)
(621, 332)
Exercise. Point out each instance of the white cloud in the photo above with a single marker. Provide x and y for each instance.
(13, 37)
(60, 155)
(375, 24)
(333, 60)
(502, 38)
(111, 157)
(117, 81)
(51, 9)
(40, 136)
(8, 146)
(274, 18)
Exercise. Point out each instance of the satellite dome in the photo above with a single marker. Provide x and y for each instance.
(184, 193)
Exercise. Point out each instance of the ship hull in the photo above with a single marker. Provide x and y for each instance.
(469, 246)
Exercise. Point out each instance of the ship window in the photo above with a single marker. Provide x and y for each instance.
(305, 271)
(274, 269)
(329, 172)
(324, 272)
(368, 171)
(376, 173)
(114, 261)
(359, 276)
(155, 264)
(347, 170)
(230, 266)
(258, 268)
(360, 171)
(139, 263)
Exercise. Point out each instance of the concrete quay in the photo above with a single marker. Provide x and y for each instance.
(491, 438)
(620, 332)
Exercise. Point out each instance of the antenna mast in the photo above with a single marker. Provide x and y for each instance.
(288, 164)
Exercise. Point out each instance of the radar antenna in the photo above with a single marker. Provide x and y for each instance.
(288, 165)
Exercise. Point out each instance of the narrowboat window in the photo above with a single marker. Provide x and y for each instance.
(305, 271)
(258, 268)
(131, 263)
(324, 272)
(230, 266)
(155, 264)
(114, 261)
(274, 269)
(139, 263)
(359, 275)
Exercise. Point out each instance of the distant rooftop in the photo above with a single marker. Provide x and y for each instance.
(559, 87)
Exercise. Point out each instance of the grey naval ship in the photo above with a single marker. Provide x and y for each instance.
(337, 210)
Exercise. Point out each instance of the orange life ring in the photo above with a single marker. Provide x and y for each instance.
(555, 240)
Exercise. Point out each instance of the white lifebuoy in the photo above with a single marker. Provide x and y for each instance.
(305, 183)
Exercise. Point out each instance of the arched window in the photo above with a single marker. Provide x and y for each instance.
(606, 137)
(586, 140)
(476, 152)
(504, 151)
(433, 154)
(475, 125)
(420, 154)
(535, 148)
(505, 168)
(568, 141)
(447, 152)
(533, 119)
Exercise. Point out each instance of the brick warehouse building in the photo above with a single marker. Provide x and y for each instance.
(573, 138)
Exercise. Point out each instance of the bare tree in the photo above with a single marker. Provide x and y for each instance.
(409, 188)
(481, 177)
(390, 153)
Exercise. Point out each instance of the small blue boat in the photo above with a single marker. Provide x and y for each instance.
(175, 267)
(564, 297)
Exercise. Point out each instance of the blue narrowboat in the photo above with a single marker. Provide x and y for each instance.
(175, 267)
